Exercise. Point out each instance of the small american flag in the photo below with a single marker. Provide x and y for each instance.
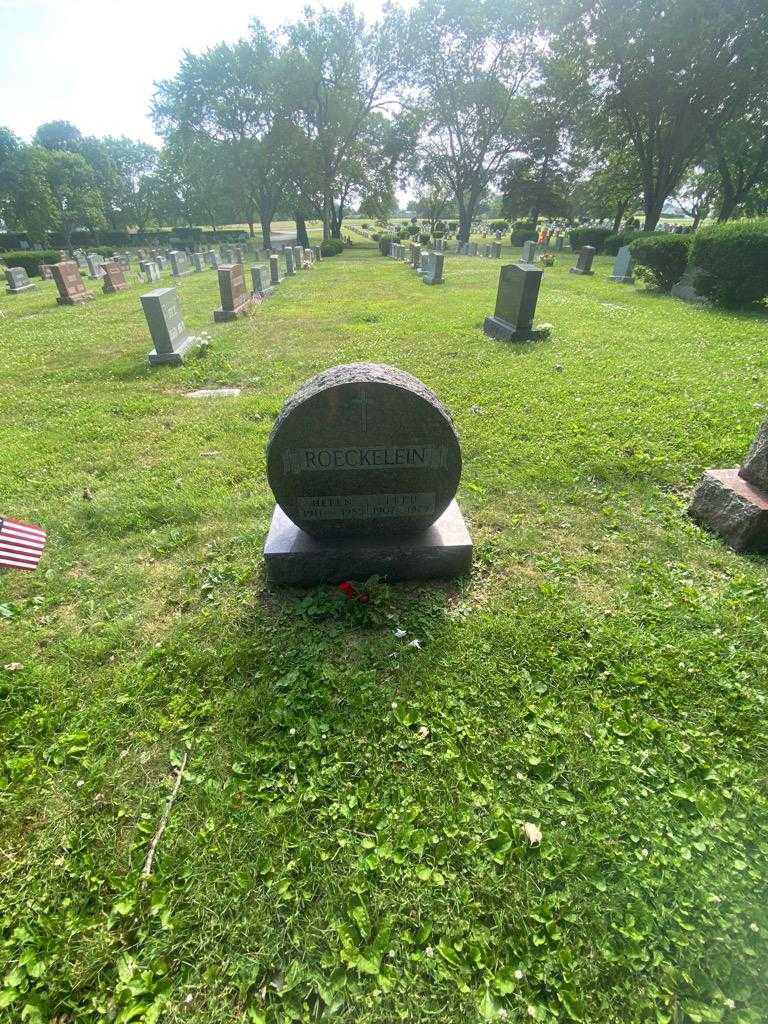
(21, 544)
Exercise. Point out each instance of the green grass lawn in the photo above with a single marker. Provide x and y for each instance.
(347, 841)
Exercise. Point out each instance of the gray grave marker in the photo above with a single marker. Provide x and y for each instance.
(17, 281)
(584, 262)
(434, 271)
(364, 463)
(622, 267)
(179, 264)
(289, 267)
(529, 252)
(172, 340)
(516, 305)
(274, 270)
(260, 287)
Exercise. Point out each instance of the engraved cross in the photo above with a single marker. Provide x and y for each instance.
(362, 401)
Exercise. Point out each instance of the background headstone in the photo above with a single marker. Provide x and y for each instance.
(516, 300)
(289, 267)
(179, 264)
(114, 279)
(529, 252)
(166, 325)
(17, 281)
(274, 270)
(584, 262)
(260, 286)
(434, 270)
(70, 284)
(235, 299)
(622, 267)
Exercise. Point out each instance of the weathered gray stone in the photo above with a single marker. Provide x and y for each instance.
(258, 280)
(529, 252)
(150, 270)
(433, 273)
(729, 505)
(179, 264)
(293, 557)
(685, 290)
(298, 257)
(584, 262)
(754, 468)
(290, 269)
(17, 281)
(274, 270)
(214, 393)
(95, 269)
(363, 449)
(172, 340)
(516, 300)
(198, 262)
(622, 267)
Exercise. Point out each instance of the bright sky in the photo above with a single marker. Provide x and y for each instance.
(93, 63)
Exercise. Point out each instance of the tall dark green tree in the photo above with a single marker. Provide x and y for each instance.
(470, 61)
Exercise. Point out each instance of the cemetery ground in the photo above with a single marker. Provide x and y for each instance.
(355, 835)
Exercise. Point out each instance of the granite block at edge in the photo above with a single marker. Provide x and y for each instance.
(292, 557)
(728, 505)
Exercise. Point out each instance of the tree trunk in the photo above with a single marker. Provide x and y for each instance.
(266, 231)
(465, 223)
(302, 238)
(535, 215)
(652, 207)
(728, 206)
(618, 216)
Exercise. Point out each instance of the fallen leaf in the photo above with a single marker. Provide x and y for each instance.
(13, 666)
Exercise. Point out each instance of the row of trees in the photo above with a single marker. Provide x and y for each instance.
(561, 108)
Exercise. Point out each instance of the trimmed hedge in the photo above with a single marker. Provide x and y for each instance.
(733, 259)
(524, 232)
(498, 225)
(30, 259)
(615, 242)
(661, 259)
(331, 247)
(384, 244)
(597, 237)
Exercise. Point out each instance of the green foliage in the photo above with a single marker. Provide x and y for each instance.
(615, 242)
(523, 232)
(597, 237)
(661, 258)
(498, 225)
(347, 842)
(425, 238)
(733, 258)
(30, 259)
(331, 247)
(384, 243)
(412, 230)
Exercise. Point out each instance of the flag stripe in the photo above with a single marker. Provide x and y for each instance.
(19, 530)
(21, 544)
(15, 542)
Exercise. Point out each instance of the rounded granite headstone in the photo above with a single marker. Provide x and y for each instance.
(363, 449)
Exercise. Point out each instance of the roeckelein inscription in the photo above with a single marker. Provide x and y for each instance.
(311, 460)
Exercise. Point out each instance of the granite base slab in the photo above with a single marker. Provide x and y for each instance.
(727, 504)
(292, 557)
(583, 273)
(75, 300)
(622, 280)
(17, 291)
(225, 315)
(502, 330)
(175, 358)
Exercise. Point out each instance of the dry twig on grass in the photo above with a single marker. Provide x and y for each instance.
(146, 871)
